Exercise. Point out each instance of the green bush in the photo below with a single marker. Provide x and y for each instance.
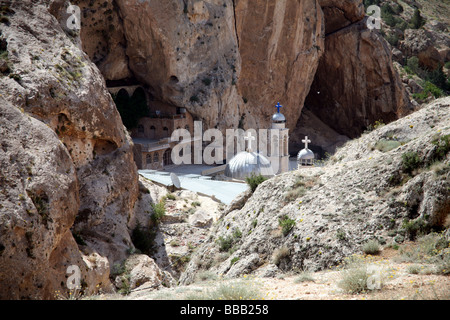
(410, 162)
(392, 39)
(413, 64)
(254, 181)
(159, 211)
(368, 3)
(171, 196)
(417, 21)
(415, 228)
(442, 147)
(286, 224)
(227, 242)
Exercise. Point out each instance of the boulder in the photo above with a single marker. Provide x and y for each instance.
(200, 219)
(141, 270)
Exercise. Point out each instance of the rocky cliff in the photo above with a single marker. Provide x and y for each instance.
(229, 62)
(67, 169)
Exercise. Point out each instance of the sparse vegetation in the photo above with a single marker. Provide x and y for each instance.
(195, 204)
(171, 196)
(237, 290)
(227, 242)
(417, 21)
(280, 254)
(159, 211)
(410, 162)
(304, 277)
(371, 247)
(432, 251)
(415, 228)
(286, 224)
(442, 144)
(254, 181)
(354, 280)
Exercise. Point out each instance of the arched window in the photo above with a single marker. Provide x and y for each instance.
(148, 158)
(140, 128)
(166, 132)
(156, 157)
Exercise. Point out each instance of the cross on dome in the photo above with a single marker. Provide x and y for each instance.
(306, 141)
(249, 138)
(278, 106)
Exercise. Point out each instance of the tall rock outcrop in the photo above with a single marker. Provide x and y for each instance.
(229, 62)
(356, 83)
(280, 43)
(67, 162)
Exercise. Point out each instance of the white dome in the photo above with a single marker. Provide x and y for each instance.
(278, 117)
(305, 154)
(244, 164)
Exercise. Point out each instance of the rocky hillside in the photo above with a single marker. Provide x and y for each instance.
(418, 33)
(389, 185)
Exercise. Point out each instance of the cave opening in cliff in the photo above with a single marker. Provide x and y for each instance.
(131, 108)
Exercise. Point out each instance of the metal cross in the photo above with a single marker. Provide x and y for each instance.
(306, 141)
(278, 106)
(249, 138)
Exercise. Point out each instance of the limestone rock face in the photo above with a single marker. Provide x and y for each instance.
(356, 83)
(229, 62)
(99, 19)
(280, 43)
(77, 173)
(340, 14)
(35, 217)
(225, 61)
(187, 53)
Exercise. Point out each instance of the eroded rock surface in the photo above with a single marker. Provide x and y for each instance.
(76, 173)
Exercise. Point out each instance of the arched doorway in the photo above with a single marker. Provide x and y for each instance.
(152, 133)
(167, 158)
